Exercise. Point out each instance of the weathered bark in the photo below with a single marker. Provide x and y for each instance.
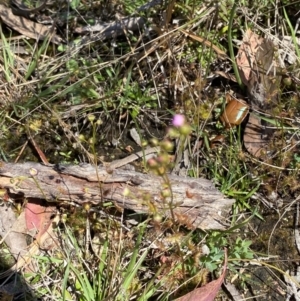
(194, 202)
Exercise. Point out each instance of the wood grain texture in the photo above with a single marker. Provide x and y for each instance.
(194, 202)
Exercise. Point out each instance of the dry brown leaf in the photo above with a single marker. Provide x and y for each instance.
(12, 230)
(27, 27)
(253, 142)
(226, 75)
(246, 55)
(264, 82)
(32, 250)
(207, 292)
(257, 67)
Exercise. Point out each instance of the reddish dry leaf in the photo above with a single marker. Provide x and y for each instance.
(257, 66)
(209, 291)
(14, 230)
(38, 216)
(245, 58)
(27, 27)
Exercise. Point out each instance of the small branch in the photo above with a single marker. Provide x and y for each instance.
(195, 202)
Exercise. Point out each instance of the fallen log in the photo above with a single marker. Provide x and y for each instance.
(193, 202)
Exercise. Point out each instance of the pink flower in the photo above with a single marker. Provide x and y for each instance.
(178, 120)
